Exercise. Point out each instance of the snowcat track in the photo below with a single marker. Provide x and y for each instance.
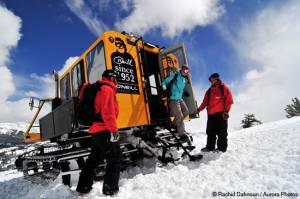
(50, 161)
(46, 163)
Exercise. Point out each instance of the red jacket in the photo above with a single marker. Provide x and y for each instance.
(106, 103)
(216, 102)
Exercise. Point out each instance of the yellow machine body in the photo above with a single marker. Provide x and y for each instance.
(133, 108)
(141, 69)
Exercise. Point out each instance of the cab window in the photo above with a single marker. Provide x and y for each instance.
(96, 63)
(77, 78)
(65, 87)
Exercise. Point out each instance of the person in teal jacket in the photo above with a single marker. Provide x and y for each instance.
(178, 108)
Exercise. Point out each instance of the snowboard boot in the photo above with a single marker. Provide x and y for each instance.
(219, 150)
(83, 191)
(109, 191)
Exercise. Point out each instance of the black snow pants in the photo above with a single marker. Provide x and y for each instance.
(216, 128)
(101, 148)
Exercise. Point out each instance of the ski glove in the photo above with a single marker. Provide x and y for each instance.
(195, 114)
(114, 137)
(225, 115)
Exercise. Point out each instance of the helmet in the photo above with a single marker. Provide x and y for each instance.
(214, 75)
(109, 73)
(185, 66)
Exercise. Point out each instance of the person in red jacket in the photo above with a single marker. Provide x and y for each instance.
(218, 100)
(105, 136)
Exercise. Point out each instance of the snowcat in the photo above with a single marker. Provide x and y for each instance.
(144, 121)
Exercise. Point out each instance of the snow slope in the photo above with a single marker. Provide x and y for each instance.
(11, 134)
(262, 161)
(16, 128)
(12, 128)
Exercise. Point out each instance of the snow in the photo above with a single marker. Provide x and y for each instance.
(9, 128)
(264, 159)
(14, 128)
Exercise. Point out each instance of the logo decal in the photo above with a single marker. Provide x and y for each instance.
(124, 64)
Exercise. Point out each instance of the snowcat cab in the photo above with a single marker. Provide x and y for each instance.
(143, 109)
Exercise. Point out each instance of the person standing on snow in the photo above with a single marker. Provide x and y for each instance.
(105, 136)
(178, 108)
(218, 100)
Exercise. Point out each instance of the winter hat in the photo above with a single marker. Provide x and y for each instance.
(109, 73)
(214, 75)
(185, 66)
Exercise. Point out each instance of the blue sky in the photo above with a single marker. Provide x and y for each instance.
(236, 38)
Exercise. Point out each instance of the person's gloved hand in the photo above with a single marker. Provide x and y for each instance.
(186, 94)
(114, 137)
(196, 113)
(225, 115)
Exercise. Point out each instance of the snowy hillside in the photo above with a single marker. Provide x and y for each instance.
(11, 143)
(263, 161)
(11, 134)
(12, 128)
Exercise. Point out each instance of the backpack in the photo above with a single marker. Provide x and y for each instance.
(168, 91)
(86, 109)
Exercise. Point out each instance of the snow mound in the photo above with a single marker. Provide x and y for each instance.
(261, 162)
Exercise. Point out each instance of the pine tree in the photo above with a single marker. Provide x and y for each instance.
(293, 109)
(249, 120)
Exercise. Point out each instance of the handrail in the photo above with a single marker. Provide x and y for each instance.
(40, 106)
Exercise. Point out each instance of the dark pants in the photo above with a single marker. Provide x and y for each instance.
(216, 127)
(101, 148)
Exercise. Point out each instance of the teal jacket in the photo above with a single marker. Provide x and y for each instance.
(177, 87)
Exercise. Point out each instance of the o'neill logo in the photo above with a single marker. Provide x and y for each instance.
(124, 64)
(120, 60)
